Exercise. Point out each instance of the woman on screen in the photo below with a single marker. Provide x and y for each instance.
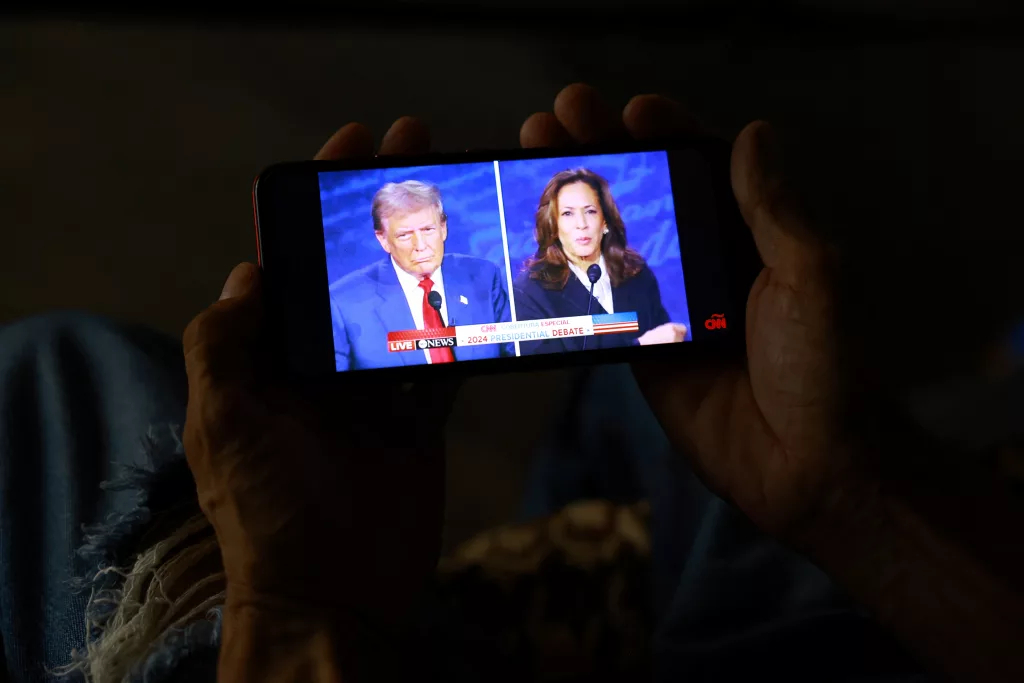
(581, 239)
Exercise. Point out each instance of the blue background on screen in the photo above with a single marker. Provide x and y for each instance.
(470, 198)
(642, 189)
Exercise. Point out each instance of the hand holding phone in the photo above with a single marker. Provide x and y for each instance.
(229, 371)
(765, 433)
(677, 390)
(292, 478)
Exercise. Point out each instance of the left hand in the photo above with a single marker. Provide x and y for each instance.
(669, 333)
(321, 501)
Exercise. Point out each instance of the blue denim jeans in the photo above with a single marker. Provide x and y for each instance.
(79, 397)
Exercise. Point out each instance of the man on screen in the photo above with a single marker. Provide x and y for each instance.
(395, 293)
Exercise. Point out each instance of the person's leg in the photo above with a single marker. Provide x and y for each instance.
(606, 444)
(78, 398)
(574, 462)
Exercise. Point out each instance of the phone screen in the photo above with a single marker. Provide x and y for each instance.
(461, 262)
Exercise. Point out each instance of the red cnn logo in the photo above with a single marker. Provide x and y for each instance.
(488, 328)
(715, 322)
(405, 345)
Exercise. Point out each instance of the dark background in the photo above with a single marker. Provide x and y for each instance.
(129, 143)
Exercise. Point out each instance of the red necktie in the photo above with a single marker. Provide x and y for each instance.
(432, 321)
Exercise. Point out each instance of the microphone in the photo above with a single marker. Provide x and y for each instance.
(593, 274)
(434, 299)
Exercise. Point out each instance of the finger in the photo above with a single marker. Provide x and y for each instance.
(216, 340)
(351, 140)
(654, 117)
(768, 203)
(703, 407)
(407, 135)
(543, 129)
(239, 282)
(676, 391)
(587, 117)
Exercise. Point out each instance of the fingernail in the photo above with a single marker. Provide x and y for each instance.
(238, 281)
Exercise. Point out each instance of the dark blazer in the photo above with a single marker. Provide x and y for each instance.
(639, 294)
(369, 303)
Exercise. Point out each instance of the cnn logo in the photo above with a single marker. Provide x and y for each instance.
(488, 328)
(715, 322)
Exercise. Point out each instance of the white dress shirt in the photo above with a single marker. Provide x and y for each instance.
(414, 295)
(602, 288)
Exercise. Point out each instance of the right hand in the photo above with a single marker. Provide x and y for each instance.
(669, 333)
(762, 433)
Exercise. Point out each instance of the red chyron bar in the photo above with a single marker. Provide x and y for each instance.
(411, 340)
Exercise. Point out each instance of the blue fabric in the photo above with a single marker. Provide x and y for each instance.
(369, 303)
(638, 294)
(77, 398)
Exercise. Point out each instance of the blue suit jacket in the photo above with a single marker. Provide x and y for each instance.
(639, 294)
(369, 303)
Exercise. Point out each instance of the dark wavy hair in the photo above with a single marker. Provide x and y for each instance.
(549, 265)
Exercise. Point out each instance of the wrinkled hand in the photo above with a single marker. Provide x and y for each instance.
(762, 434)
(669, 333)
(320, 500)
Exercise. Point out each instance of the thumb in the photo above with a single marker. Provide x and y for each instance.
(768, 202)
(217, 338)
(240, 281)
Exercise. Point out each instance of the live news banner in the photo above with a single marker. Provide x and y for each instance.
(518, 331)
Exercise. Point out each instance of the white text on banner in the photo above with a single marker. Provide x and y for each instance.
(524, 330)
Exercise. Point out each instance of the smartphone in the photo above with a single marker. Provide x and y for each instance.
(408, 268)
